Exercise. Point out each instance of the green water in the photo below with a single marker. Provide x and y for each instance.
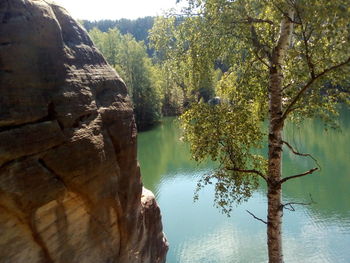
(199, 233)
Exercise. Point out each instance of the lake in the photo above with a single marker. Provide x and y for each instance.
(199, 233)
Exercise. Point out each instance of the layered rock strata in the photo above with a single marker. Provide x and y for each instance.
(70, 187)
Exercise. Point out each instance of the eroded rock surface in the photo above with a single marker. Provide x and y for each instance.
(70, 187)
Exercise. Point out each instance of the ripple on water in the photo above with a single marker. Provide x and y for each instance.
(320, 238)
(208, 248)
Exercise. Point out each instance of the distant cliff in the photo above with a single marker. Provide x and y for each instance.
(70, 187)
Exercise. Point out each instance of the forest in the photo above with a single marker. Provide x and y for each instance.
(158, 86)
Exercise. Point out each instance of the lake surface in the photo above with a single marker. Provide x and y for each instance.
(199, 233)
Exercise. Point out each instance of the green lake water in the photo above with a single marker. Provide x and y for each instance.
(198, 233)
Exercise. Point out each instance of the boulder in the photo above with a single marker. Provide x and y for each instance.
(70, 185)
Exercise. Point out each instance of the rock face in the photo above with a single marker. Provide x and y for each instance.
(70, 187)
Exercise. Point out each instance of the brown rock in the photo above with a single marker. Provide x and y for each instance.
(70, 188)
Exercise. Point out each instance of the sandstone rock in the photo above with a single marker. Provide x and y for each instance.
(70, 187)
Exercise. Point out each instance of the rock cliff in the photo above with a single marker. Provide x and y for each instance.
(70, 187)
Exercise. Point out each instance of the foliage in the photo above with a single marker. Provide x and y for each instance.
(174, 41)
(130, 59)
(173, 100)
(242, 35)
(138, 28)
(226, 133)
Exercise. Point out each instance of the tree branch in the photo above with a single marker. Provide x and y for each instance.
(301, 154)
(286, 15)
(257, 44)
(255, 217)
(289, 206)
(251, 20)
(261, 59)
(252, 171)
(243, 170)
(308, 84)
(298, 175)
(286, 86)
(306, 43)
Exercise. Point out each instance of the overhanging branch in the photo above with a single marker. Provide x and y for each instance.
(252, 171)
(308, 85)
(298, 175)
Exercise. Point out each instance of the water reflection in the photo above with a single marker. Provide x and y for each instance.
(199, 233)
(329, 187)
(163, 156)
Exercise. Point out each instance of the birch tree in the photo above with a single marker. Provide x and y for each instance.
(287, 60)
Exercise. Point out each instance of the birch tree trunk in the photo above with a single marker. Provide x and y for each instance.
(274, 194)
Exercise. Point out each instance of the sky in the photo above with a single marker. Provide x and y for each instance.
(115, 9)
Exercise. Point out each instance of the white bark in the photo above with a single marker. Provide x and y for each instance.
(274, 222)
